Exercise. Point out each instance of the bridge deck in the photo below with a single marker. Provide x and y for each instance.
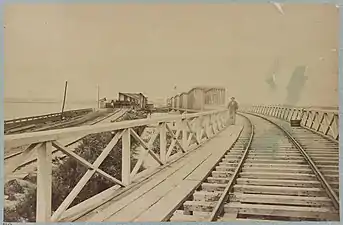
(155, 199)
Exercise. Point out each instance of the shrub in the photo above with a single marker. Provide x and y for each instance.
(69, 172)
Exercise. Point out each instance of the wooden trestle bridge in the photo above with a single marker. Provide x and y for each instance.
(207, 169)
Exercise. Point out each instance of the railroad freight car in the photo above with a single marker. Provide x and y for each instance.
(215, 96)
(182, 104)
(177, 101)
(201, 98)
(172, 102)
(183, 101)
(196, 98)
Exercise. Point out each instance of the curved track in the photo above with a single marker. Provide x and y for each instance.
(272, 172)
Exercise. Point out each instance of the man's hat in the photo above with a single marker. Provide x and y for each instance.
(232, 98)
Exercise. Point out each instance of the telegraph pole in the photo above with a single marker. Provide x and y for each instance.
(64, 98)
(98, 90)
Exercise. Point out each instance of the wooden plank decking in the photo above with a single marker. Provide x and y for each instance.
(153, 200)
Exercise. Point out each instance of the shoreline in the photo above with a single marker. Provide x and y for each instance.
(16, 110)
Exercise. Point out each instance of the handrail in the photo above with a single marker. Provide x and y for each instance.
(306, 108)
(41, 136)
(187, 133)
(320, 121)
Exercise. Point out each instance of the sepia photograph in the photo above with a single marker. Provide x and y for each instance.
(171, 112)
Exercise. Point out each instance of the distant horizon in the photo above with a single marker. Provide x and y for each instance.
(55, 101)
(45, 100)
(164, 50)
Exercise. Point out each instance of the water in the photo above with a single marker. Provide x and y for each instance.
(14, 110)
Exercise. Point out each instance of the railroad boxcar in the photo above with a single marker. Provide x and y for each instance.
(180, 101)
(172, 102)
(184, 101)
(200, 97)
(215, 96)
(177, 101)
(196, 98)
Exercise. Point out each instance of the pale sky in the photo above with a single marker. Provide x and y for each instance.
(151, 48)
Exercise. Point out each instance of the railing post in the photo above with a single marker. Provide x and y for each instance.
(289, 113)
(320, 122)
(259, 109)
(313, 119)
(44, 180)
(292, 115)
(126, 157)
(221, 120)
(268, 111)
(301, 115)
(214, 121)
(198, 127)
(214, 124)
(283, 113)
(273, 111)
(279, 112)
(213, 129)
(163, 142)
(184, 134)
(329, 125)
(207, 126)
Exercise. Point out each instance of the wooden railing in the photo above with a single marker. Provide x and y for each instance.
(185, 110)
(207, 107)
(34, 119)
(324, 122)
(187, 132)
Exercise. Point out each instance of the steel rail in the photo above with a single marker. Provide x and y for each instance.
(223, 198)
(331, 193)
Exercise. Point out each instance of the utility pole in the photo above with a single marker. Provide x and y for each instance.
(64, 98)
(98, 97)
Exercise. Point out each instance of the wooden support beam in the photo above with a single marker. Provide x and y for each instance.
(126, 157)
(143, 156)
(176, 141)
(84, 162)
(146, 146)
(44, 180)
(86, 177)
(163, 142)
(184, 135)
(51, 135)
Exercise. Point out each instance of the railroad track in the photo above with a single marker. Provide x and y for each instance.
(99, 120)
(40, 126)
(89, 119)
(270, 173)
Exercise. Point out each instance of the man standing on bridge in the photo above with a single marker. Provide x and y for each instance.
(233, 107)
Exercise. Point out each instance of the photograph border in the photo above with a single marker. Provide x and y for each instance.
(2, 84)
